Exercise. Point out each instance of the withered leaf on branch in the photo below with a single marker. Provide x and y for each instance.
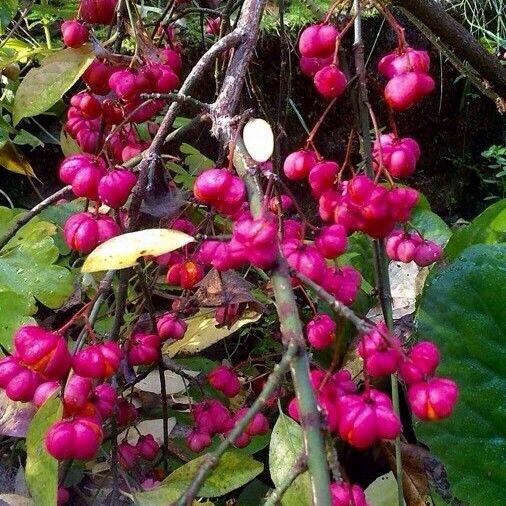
(223, 288)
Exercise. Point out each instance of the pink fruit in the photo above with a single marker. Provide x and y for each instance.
(304, 259)
(342, 282)
(62, 496)
(83, 232)
(292, 229)
(74, 33)
(112, 112)
(226, 315)
(127, 413)
(104, 398)
(318, 40)
(366, 418)
(124, 83)
(212, 26)
(44, 391)
(42, 351)
(78, 438)
(257, 425)
(422, 360)
(401, 201)
(197, 441)
(322, 176)
(76, 393)
(309, 66)
(327, 204)
(224, 379)
(185, 274)
(97, 76)
(404, 90)
(72, 164)
(88, 105)
(211, 184)
(427, 253)
(97, 11)
(380, 351)
(19, 382)
(167, 81)
(281, 204)
(97, 360)
(172, 58)
(149, 483)
(147, 447)
(320, 331)
(115, 187)
(169, 326)
(411, 60)
(433, 399)
(242, 440)
(330, 82)
(212, 416)
(399, 155)
(143, 349)
(127, 455)
(344, 494)
(331, 241)
(298, 164)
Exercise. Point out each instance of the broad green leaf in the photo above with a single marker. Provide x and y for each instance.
(23, 137)
(15, 310)
(7, 10)
(202, 332)
(42, 87)
(253, 493)
(234, 470)
(67, 144)
(382, 491)
(28, 270)
(194, 159)
(430, 225)
(18, 50)
(41, 471)
(287, 444)
(124, 250)
(462, 311)
(487, 228)
(12, 160)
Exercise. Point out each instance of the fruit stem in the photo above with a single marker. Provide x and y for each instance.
(380, 258)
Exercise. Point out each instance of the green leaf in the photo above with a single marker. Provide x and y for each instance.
(28, 270)
(194, 159)
(234, 470)
(287, 444)
(253, 493)
(7, 10)
(462, 311)
(42, 87)
(18, 50)
(430, 225)
(15, 310)
(41, 471)
(487, 228)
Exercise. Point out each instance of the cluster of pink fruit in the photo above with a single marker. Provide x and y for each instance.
(317, 46)
(90, 178)
(361, 419)
(113, 98)
(408, 80)
(213, 417)
(410, 246)
(146, 448)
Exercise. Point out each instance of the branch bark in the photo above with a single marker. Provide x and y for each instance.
(454, 35)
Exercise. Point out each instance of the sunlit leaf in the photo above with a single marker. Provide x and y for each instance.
(41, 471)
(234, 470)
(15, 310)
(43, 86)
(14, 161)
(202, 332)
(124, 250)
(287, 444)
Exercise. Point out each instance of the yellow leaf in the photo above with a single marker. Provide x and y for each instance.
(202, 332)
(124, 250)
(13, 160)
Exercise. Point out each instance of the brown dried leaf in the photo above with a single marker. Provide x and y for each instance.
(414, 477)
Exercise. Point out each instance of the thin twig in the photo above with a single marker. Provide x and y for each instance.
(299, 466)
(26, 217)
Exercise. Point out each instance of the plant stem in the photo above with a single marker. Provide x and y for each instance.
(380, 260)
